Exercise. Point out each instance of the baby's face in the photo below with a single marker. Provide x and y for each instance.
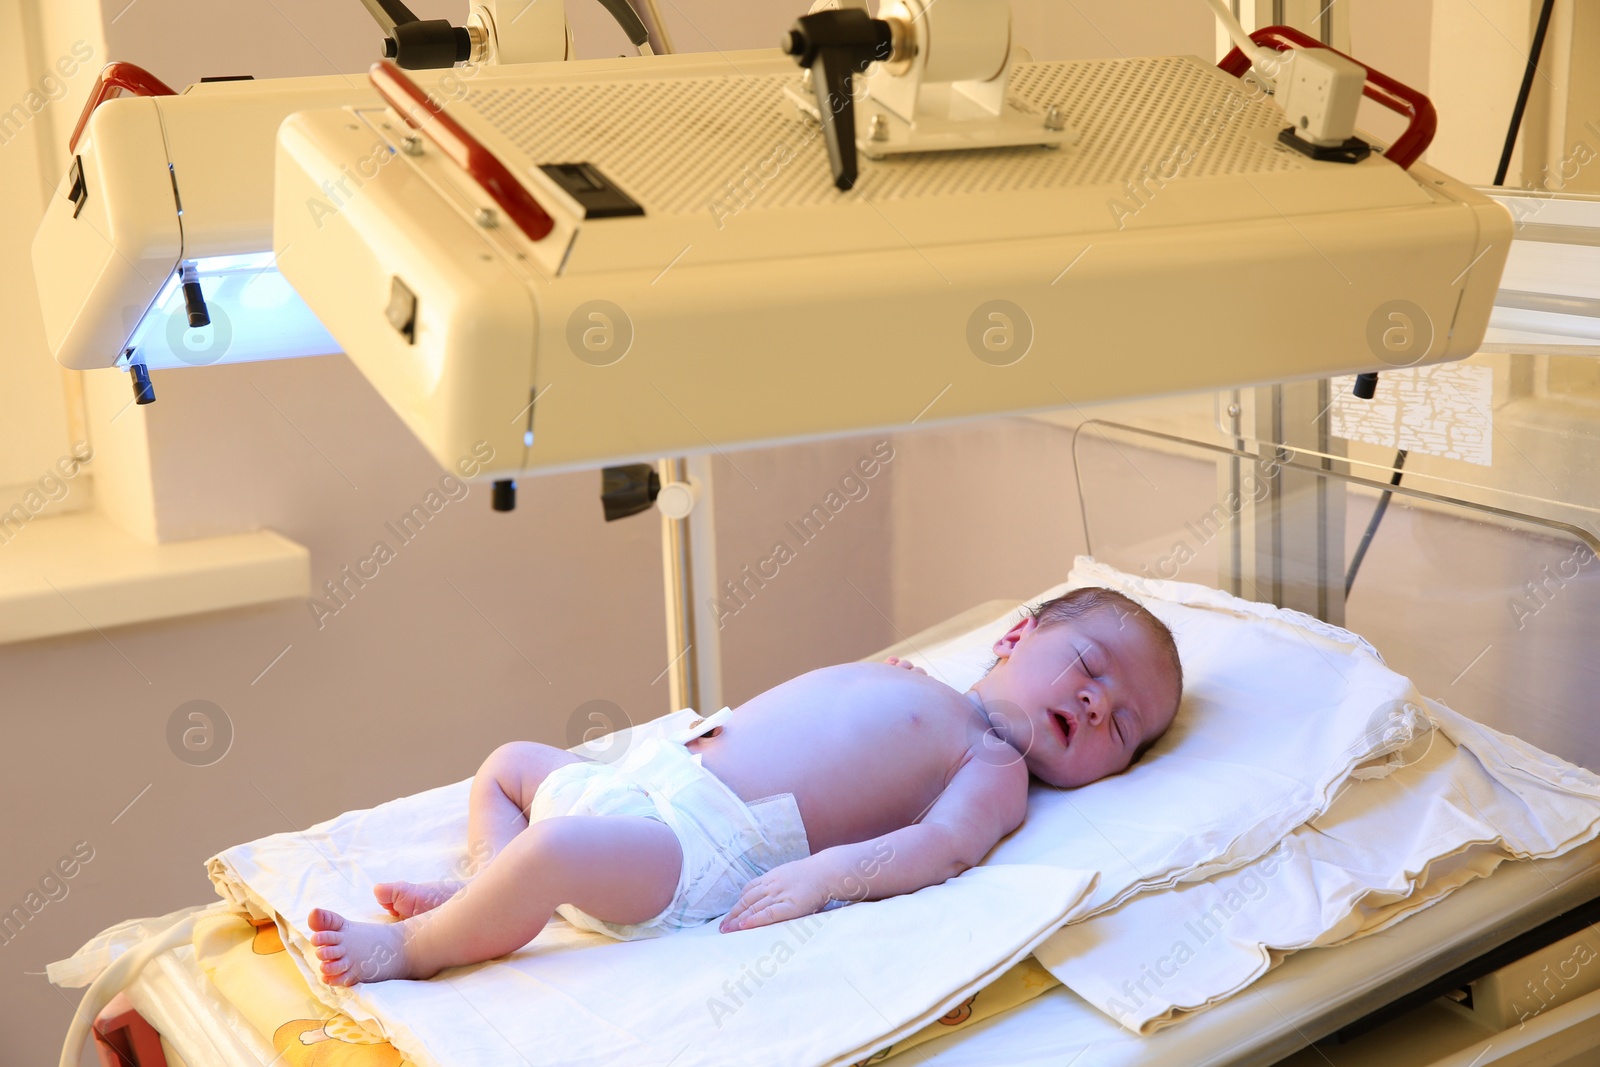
(1078, 698)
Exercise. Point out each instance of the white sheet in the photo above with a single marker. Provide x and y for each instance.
(1277, 709)
(1279, 1012)
(1386, 849)
(695, 998)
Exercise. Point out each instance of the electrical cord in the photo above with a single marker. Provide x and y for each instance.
(631, 24)
(1532, 68)
(1372, 525)
(1262, 58)
(1522, 93)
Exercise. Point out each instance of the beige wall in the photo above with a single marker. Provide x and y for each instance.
(981, 512)
(1394, 38)
(834, 599)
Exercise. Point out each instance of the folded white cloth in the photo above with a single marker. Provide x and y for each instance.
(1467, 800)
(800, 993)
(1278, 707)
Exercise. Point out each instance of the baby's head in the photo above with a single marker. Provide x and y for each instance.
(1083, 685)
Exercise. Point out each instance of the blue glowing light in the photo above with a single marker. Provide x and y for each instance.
(255, 315)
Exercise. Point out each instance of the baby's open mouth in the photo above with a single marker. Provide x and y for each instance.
(1065, 724)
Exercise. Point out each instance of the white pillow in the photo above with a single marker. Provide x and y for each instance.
(1278, 708)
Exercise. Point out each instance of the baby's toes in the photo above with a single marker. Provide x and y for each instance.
(323, 919)
(408, 900)
(400, 899)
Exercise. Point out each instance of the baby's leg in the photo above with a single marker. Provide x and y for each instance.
(497, 811)
(502, 792)
(618, 868)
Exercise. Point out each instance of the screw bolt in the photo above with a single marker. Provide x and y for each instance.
(411, 145)
(879, 130)
(479, 36)
(1054, 120)
(487, 217)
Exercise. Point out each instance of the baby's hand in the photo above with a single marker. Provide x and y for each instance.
(787, 891)
(896, 661)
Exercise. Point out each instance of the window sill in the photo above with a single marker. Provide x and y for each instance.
(81, 572)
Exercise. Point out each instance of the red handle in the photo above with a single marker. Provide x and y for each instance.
(466, 151)
(114, 79)
(1424, 120)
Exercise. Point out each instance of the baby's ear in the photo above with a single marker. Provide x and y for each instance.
(1008, 643)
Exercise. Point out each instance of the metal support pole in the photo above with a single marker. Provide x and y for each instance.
(678, 570)
(689, 569)
(1287, 544)
(707, 651)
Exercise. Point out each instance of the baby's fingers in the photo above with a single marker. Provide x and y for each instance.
(777, 911)
(757, 894)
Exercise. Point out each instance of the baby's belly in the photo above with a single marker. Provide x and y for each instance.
(864, 748)
(845, 793)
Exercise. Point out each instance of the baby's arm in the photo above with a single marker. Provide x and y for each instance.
(987, 799)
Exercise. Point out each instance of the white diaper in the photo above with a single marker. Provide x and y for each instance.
(725, 841)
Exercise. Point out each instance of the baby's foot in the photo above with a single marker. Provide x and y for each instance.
(405, 899)
(354, 952)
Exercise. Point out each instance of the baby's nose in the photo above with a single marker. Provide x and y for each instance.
(1093, 703)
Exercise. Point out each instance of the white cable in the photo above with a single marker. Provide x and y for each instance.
(659, 25)
(1266, 61)
(115, 978)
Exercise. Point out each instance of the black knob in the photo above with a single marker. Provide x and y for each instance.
(430, 44)
(194, 301)
(1366, 386)
(504, 496)
(628, 490)
(143, 391)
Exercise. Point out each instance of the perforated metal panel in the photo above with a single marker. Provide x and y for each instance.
(1143, 112)
(679, 145)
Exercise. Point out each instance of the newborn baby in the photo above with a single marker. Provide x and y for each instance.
(859, 782)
